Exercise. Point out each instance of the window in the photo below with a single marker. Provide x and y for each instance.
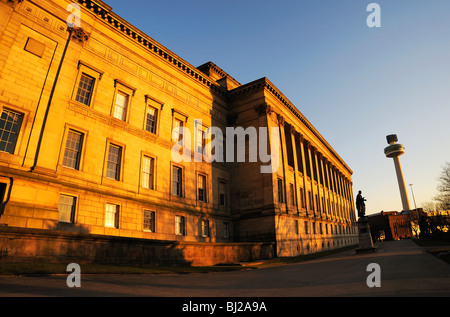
(222, 193)
(152, 119)
(302, 197)
(10, 123)
(205, 228)
(149, 221)
(296, 226)
(120, 106)
(280, 190)
(177, 178)
(177, 135)
(200, 141)
(114, 161)
(66, 208)
(85, 89)
(306, 227)
(179, 225)
(3, 188)
(112, 216)
(292, 194)
(148, 164)
(72, 153)
(226, 230)
(201, 188)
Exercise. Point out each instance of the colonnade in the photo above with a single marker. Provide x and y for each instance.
(322, 190)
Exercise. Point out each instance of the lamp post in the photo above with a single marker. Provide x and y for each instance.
(415, 207)
(411, 185)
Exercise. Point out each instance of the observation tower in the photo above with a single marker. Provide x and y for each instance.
(393, 151)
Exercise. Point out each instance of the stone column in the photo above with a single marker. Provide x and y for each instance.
(294, 152)
(281, 125)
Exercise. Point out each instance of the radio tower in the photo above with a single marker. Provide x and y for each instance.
(394, 151)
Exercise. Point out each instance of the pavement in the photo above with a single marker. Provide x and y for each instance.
(396, 269)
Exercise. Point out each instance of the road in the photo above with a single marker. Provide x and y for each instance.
(405, 270)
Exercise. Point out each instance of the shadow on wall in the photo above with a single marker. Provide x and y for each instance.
(34, 245)
(29, 245)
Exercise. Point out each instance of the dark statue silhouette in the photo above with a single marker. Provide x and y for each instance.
(360, 205)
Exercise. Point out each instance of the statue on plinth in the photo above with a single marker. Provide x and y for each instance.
(364, 236)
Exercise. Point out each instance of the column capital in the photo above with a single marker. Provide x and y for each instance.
(263, 109)
(290, 128)
(299, 136)
(280, 119)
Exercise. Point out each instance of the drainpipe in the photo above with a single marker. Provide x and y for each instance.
(47, 110)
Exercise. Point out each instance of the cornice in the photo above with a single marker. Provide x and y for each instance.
(265, 83)
(210, 65)
(103, 12)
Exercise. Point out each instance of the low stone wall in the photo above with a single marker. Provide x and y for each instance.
(21, 244)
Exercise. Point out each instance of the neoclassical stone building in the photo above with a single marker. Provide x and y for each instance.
(87, 119)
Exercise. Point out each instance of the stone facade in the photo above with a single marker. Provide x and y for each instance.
(87, 119)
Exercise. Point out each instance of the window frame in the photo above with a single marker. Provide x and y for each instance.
(292, 194)
(85, 134)
(280, 190)
(205, 228)
(203, 182)
(157, 105)
(225, 184)
(91, 71)
(152, 175)
(302, 198)
(202, 137)
(154, 126)
(73, 212)
(89, 93)
(116, 215)
(180, 182)
(226, 230)
(180, 138)
(120, 87)
(124, 108)
(179, 116)
(180, 226)
(80, 152)
(152, 228)
(19, 132)
(110, 142)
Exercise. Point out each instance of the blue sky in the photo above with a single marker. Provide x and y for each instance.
(355, 84)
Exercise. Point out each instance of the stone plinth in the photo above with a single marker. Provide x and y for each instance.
(365, 238)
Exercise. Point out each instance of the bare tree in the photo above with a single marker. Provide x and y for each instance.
(444, 187)
(429, 206)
